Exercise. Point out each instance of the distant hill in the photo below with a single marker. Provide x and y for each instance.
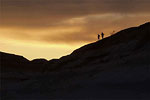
(11, 62)
(116, 67)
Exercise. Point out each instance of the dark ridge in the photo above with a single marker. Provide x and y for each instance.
(11, 61)
(39, 60)
(140, 33)
(123, 36)
(7, 56)
(145, 25)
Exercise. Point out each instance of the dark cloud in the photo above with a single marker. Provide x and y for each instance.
(42, 13)
(91, 16)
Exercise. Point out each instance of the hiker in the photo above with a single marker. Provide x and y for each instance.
(98, 36)
(102, 34)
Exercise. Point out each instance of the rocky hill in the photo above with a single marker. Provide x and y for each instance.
(117, 67)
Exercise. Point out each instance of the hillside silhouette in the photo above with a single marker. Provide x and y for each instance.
(116, 67)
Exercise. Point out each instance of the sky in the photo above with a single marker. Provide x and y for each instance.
(54, 28)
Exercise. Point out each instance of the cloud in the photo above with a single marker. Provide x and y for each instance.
(90, 26)
(69, 21)
(39, 13)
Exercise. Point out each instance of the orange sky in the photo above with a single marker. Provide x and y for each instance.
(53, 28)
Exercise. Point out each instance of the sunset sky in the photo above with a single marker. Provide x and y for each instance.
(54, 28)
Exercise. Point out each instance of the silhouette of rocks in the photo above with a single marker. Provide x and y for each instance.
(117, 67)
(11, 62)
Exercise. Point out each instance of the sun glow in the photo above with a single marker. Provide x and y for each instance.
(53, 28)
(35, 50)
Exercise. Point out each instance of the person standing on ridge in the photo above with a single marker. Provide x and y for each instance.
(102, 34)
(98, 36)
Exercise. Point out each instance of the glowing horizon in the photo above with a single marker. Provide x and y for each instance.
(54, 28)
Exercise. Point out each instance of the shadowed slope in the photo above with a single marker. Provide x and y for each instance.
(139, 36)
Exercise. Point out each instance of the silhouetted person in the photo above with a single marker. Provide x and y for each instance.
(98, 36)
(102, 34)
